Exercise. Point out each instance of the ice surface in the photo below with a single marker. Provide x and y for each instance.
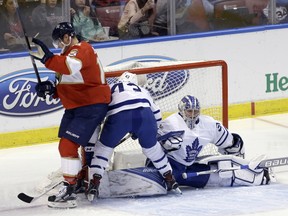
(22, 168)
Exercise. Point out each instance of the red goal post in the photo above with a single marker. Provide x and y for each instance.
(168, 82)
(194, 68)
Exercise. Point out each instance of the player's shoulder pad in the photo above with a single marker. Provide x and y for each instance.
(206, 118)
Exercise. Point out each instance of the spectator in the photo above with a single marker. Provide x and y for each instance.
(227, 14)
(85, 21)
(45, 17)
(12, 36)
(161, 19)
(137, 19)
(189, 17)
(205, 15)
(281, 12)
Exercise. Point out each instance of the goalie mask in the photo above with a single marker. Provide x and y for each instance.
(189, 109)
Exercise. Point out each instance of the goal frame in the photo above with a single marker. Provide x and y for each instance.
(189, 65)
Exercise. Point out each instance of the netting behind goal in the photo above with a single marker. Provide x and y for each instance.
(169, 81)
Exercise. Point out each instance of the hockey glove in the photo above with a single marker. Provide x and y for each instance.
(237, 147)
(45, 88)
(172, 143)
(43, 53)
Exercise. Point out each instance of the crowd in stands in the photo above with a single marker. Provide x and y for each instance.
(130, 19)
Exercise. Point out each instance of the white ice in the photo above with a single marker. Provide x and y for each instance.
(22, 168)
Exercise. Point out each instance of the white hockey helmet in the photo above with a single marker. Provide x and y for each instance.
(128, 77)
(189, 109)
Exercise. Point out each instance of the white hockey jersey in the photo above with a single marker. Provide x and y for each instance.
(127, 96)
(206, 131)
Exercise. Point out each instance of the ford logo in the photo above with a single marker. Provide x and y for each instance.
(18, 97)
(162, 84)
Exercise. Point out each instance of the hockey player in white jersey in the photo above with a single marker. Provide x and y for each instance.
(131, 110)
(198, 131)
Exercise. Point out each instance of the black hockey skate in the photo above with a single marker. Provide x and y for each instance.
(171, 183)
(66, 198)
(268, 176)
(93, 190)
(82, 181)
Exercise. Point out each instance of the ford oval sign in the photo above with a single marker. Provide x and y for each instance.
(160, 84)
(18, 96)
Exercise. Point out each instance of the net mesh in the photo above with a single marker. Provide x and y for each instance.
(169, 81)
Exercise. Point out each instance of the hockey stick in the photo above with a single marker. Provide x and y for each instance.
(159, 138)
(274, 162)
(194, 174)
(28, 199)
(27, 41)
(268, 163)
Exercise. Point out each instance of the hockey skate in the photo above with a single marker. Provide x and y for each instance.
(171, 183)
(268, 176)
(66, 198)
(82, 181)
(93, 190)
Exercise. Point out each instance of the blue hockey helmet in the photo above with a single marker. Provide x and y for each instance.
(189, 109)
(60, 30)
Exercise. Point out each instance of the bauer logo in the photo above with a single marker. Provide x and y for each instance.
(160, 84)
(18, 96)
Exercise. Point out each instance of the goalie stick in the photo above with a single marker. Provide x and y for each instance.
(28, 199)
(27, 41)
(268, 163)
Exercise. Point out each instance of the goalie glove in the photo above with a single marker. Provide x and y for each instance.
(43, 53)
(45, 88)
(237, 147)
(172, 143)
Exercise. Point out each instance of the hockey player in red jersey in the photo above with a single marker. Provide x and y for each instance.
(83, 91)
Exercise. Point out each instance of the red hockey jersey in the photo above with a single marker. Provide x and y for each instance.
(81, 77)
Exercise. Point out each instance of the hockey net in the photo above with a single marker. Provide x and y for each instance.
(168, 82)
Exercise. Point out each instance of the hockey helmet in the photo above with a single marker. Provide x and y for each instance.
(60, 30)
(128, 77)
(189, 109)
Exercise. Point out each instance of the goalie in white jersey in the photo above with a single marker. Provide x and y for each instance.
(199, 131)
(131, 110)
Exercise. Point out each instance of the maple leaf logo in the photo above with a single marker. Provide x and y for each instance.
(192, 151)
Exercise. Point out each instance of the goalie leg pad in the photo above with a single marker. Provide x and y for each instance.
(252, 175)
(247, 178)
(225, 165)
(134, 182)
